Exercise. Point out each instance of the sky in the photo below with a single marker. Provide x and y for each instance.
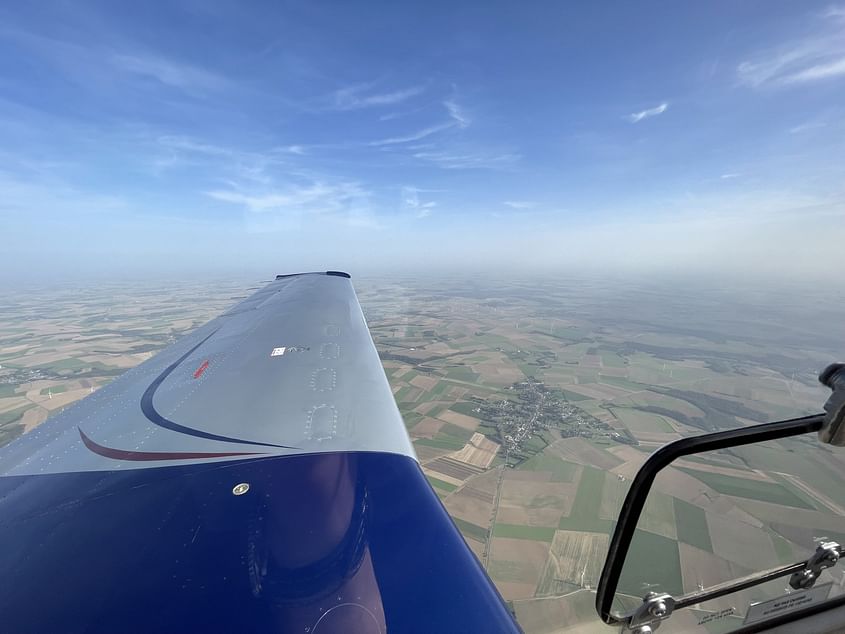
(652, 137)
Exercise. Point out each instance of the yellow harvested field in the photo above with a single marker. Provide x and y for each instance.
(461, 420)
(43, 358)
(427, 427)
(633, 461)
(479, 451)
(114, 360)
(423, 408)
(559, 615)
(14, 349)
(471, 506)
(474, 501)
(519, 562)
(745, 474)
(401, 372)
(741, 543)
(64, 399)
(574, 558)
(427, 454)
(682, 486)
(591, 361)
(816, 495)
(442, 476)
(33, 417)
(529, 476)
(11, 403)
(476, 547)
(499, 373)
(535, 503)
(598, 391)
(628, 453)
(511, 590)
(426, 383)
(769, 512)
(582, 452)
(658, 438)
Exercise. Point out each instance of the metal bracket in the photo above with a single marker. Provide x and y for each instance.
(833, 431)
(656, 607)
(826, 555)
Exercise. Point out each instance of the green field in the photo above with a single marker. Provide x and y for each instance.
(7, 389)
(518, 531)
(440, 484)
(584, 515)
(638, 421)
(658, 515)
(9, 428)
(438, 442)
(13, 415)
(625, 384)
(751, 489)
(66, 364)
(462, 374)
(471, 530)
(652, 563)
(783, 549)
(808, 499)
(55, 390)
(562, 471)
(795, 458)
(691, 524)
(610, 359)
(465, 408)
(574, 396)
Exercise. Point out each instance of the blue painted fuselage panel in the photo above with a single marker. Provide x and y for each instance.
(314, 543)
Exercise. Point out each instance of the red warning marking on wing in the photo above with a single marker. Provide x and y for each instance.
(201, 369)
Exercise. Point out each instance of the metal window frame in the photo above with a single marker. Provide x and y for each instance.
(632, 507)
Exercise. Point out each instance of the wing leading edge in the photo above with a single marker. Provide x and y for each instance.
(255, 476)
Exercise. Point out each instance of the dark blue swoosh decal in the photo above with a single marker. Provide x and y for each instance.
(123, 454)
(150, 411)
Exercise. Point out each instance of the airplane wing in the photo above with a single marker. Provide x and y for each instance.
(255, 476)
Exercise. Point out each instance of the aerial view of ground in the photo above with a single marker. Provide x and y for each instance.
(531, 405)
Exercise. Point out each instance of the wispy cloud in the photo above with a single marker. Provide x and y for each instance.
(811, 59)
(361, 96)
(458, 118)
(411, 203)
(807, 126)
(290, 149)
(729, 175)
(457, 113)
(317, 197)
(805, 63)
(414, 136)
(187, 144)
(636, 117)
(342, 202)
(457, 159)
(834, 13)
(819, 71)
(171, 73)
(519, 204)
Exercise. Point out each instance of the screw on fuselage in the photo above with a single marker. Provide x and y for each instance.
(658, 610)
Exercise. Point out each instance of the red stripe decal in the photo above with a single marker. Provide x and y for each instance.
(201, 369)
(121, 454)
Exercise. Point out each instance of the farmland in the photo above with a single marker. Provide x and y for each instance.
(531, 406)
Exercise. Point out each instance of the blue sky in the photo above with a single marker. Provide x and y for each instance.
(281, 136)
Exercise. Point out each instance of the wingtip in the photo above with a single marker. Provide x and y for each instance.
(334, 273)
